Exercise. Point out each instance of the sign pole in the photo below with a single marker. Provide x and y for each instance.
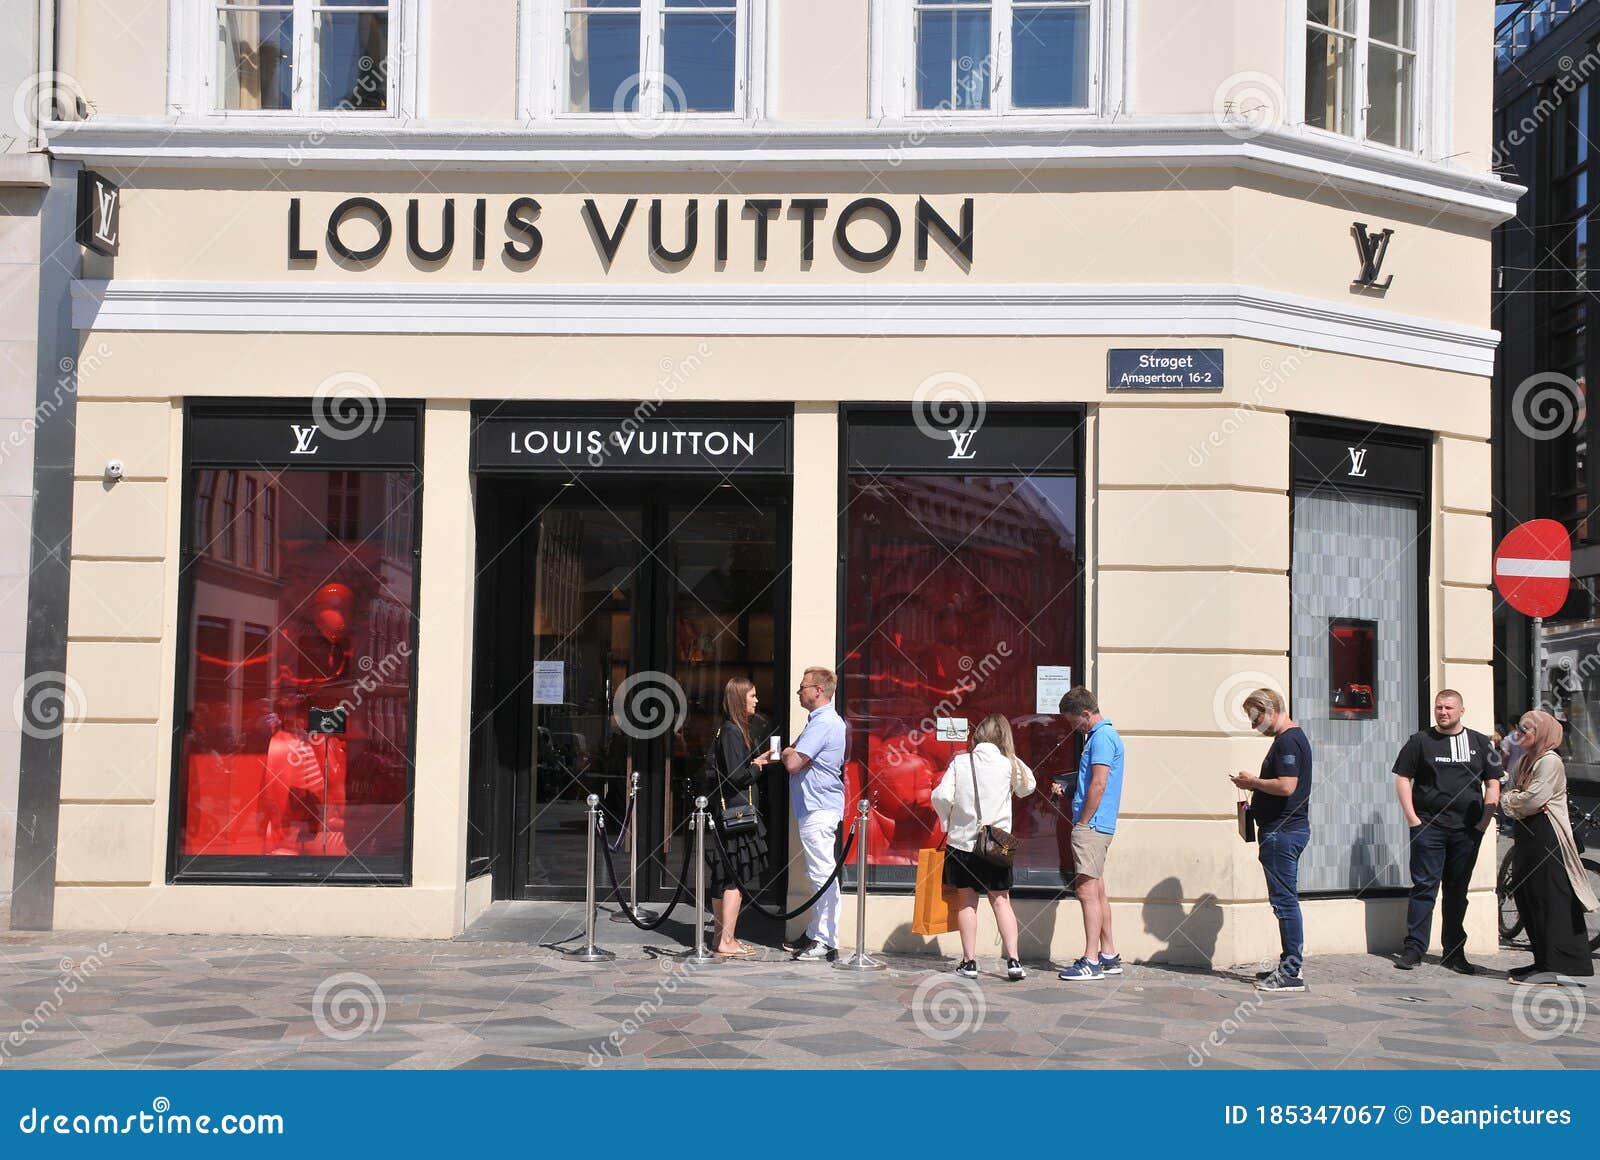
(1538, 667)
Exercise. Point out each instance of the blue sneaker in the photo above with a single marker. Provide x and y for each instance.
(1111, 964)
(1082, 971)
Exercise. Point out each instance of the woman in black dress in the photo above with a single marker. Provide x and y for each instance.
(738, 754)
(1552, 888)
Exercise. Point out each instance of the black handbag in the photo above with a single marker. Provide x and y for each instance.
(993, 844)
(739, 819)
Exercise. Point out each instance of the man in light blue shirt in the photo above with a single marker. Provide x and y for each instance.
(1094, 821)
(816, 788)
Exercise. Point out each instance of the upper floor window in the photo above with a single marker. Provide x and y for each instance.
(303, 56)
(1002, 54)
(1361, 69)
(652, 58)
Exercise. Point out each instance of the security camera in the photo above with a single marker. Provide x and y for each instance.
(114, 469)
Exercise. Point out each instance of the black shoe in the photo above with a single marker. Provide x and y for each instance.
(1407, 959)
(1278, 983)
(1458, 964)
(1015, 971)
(798, 944)
(967, 969)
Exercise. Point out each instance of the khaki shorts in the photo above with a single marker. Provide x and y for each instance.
(1089, 848)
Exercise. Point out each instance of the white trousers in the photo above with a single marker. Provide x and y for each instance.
(817, 830)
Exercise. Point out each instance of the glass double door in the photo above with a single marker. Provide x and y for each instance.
(633, 609)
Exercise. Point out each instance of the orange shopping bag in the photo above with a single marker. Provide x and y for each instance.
(936, 903)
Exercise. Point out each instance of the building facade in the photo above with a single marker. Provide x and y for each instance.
(472, 393)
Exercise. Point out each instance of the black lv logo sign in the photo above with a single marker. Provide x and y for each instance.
(1371, 249)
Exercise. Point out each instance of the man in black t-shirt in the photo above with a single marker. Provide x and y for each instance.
(1448, 781)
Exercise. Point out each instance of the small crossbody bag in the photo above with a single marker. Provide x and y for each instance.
(739, 819)
(993, 844)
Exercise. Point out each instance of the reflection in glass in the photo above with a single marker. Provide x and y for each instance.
(603, 61)
(353, 59)
(255, 56)
(958, 588)
(1050, 56)
(954, 67)
(699, 56)
(311, 620)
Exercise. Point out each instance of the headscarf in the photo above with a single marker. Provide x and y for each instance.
(1542, 734)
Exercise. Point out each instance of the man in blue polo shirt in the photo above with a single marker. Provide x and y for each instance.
(1094, 821)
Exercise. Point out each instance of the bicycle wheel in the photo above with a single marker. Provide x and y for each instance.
(1510, 916)
(1591, 921)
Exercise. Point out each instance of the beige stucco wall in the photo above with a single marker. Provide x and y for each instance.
(823, 60)
(471, 60)
(1185, 53)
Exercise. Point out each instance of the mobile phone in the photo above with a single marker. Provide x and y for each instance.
(774, 747)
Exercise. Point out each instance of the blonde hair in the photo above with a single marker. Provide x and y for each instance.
(823, 678)
(1264, 701)
(995, 730)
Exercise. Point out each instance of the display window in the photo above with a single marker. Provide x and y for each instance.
(295, 709)
(962, 599)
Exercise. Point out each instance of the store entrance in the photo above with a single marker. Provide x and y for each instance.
(612, 614)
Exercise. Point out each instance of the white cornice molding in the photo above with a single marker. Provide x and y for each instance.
(1165, 144)
(1177, 313)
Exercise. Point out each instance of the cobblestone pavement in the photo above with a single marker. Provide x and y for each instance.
(486, 1000)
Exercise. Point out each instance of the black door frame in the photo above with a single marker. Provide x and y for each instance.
(501, 750)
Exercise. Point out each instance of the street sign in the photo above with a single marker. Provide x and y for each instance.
(1533, 567)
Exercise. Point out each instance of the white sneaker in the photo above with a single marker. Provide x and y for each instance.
(818, 952)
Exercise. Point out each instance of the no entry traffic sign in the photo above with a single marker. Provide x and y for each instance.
(1533, 567)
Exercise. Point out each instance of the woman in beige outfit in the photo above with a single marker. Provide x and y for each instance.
(1552, 890)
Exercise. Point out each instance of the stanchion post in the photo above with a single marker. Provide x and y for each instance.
(633, 857)
(700, 954)
(861, 961)
(590, 952)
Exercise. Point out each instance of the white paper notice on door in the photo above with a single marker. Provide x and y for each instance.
(549, 682)
(1050, 683)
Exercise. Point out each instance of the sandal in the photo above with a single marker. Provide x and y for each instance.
(745, 951)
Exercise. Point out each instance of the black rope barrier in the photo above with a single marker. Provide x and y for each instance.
(750, 895)
(677, 897)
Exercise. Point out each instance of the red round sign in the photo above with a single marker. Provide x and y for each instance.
(1533, 567)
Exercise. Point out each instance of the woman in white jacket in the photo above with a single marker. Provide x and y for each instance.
(976, 791)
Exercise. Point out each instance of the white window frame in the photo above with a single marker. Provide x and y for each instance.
(1433, 80)
(543, 75)
(894, 67)
(193, 87)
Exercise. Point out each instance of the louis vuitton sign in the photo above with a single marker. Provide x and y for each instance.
(864, 231)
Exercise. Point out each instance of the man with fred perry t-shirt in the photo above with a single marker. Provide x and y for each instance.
(1448, 781)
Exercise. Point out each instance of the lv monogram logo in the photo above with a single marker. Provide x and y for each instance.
(1358, 457)
(304, 439)
(1371, 248)
(963, 444)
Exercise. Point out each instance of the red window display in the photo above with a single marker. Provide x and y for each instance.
(297, 705)
(962, 600)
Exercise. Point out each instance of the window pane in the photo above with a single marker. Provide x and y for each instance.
(1328, 66)
(941, 569)
(1340, 14)
(255, 57)
(699, 55)
(1390, 22)
(603, 61)
(319, 635)
(953, 66)
(1050, 58)
(354, 50)
(1389, 98)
